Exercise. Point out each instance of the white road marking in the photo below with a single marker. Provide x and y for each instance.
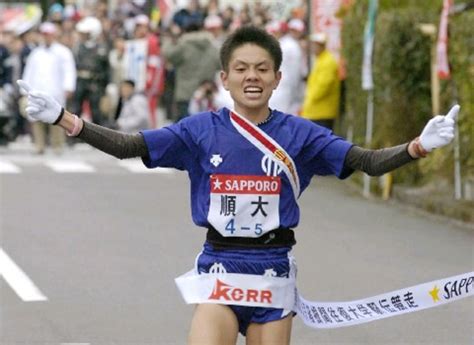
(62, 166)
(75, 343)
(18, 280)
(7, 167)
(137, 166)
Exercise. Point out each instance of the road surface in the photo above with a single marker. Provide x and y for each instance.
(102, 240)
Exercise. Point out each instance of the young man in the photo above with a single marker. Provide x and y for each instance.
(247, 168)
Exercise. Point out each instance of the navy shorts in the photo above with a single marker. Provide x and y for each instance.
(276, 262)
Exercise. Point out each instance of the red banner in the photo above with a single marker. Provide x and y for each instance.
(325, 17)
(442, 63)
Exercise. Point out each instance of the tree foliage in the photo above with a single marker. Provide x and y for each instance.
(402, 77)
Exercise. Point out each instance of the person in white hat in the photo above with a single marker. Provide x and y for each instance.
(322, 97)
(92, 69)
(286, 97)
(213, 24)
(143, 64)
(50, 67)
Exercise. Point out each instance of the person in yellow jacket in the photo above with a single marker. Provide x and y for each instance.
(321, 102)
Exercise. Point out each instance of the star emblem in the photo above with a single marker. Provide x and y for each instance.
(434, 294)
(217, 184)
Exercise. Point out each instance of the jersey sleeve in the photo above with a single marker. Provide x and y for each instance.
(170, 147)
(325, 153)
(330, 160)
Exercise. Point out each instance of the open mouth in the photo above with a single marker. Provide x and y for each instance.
(253, 90)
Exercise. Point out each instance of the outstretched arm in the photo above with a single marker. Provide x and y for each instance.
(42, 107)
(438, 132)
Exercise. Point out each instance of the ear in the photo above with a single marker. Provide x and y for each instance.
(277, 79)
(223, 75)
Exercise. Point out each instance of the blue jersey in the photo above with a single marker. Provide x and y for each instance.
(235, 187)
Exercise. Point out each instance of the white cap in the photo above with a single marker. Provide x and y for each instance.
(47, 28)
(274, 26)
(142, 19)
(318, 37)
(212, 22)
(90, 25)
(296, 24)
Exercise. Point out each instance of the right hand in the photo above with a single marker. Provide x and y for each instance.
(40, 106)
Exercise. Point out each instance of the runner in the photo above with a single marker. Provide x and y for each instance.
(247, 167)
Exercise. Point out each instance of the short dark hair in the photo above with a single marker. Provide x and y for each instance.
(129, 82)
(253, 35)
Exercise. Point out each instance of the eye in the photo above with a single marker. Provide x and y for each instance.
(240, 69)
(263, 70)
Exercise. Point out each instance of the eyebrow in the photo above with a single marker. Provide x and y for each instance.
(237, 61)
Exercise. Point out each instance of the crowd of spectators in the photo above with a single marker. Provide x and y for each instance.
(104, 57)
(191, 41)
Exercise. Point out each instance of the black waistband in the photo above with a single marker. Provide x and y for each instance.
(281, 237)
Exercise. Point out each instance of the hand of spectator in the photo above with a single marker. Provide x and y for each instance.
(439, 131)
(40, 106)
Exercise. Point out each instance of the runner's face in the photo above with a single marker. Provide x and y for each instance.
(251, 79)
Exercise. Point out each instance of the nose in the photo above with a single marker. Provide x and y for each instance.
(251, 74)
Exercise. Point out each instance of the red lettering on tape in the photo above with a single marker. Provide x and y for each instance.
(226, 292)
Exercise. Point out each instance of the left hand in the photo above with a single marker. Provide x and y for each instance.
(439, 131)
(40, 106)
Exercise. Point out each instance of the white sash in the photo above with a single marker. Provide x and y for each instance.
(268, 146)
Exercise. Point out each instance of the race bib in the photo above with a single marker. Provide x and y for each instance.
(244, 205)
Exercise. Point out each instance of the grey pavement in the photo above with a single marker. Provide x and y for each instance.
(104, 247)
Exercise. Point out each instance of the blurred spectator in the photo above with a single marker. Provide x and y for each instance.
(69, 36)
(222, 97)
(71, 12)
(192, 15)
(116, 62)
(17, 123)
(92, 69)
(213, 24)
(244, 17)
(143, 64)
(212, 8)
(259, 20)
(50, 68)
(260, 16)
(55, 13)
(5, 68)
(321, 103)
(203, 98)
(30, 41)
(228, 17)
(167, 98)
(5, 92)
(116, 55)
(286, 97)
(133, 115)
(259, 9)
(195, 58)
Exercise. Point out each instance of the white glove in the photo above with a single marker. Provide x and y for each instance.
(40, 106)
(439, 131)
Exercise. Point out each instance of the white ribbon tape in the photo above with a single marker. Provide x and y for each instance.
(237, 289)
(262, 291)
(418, 297)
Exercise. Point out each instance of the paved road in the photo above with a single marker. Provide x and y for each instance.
(104, 244)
